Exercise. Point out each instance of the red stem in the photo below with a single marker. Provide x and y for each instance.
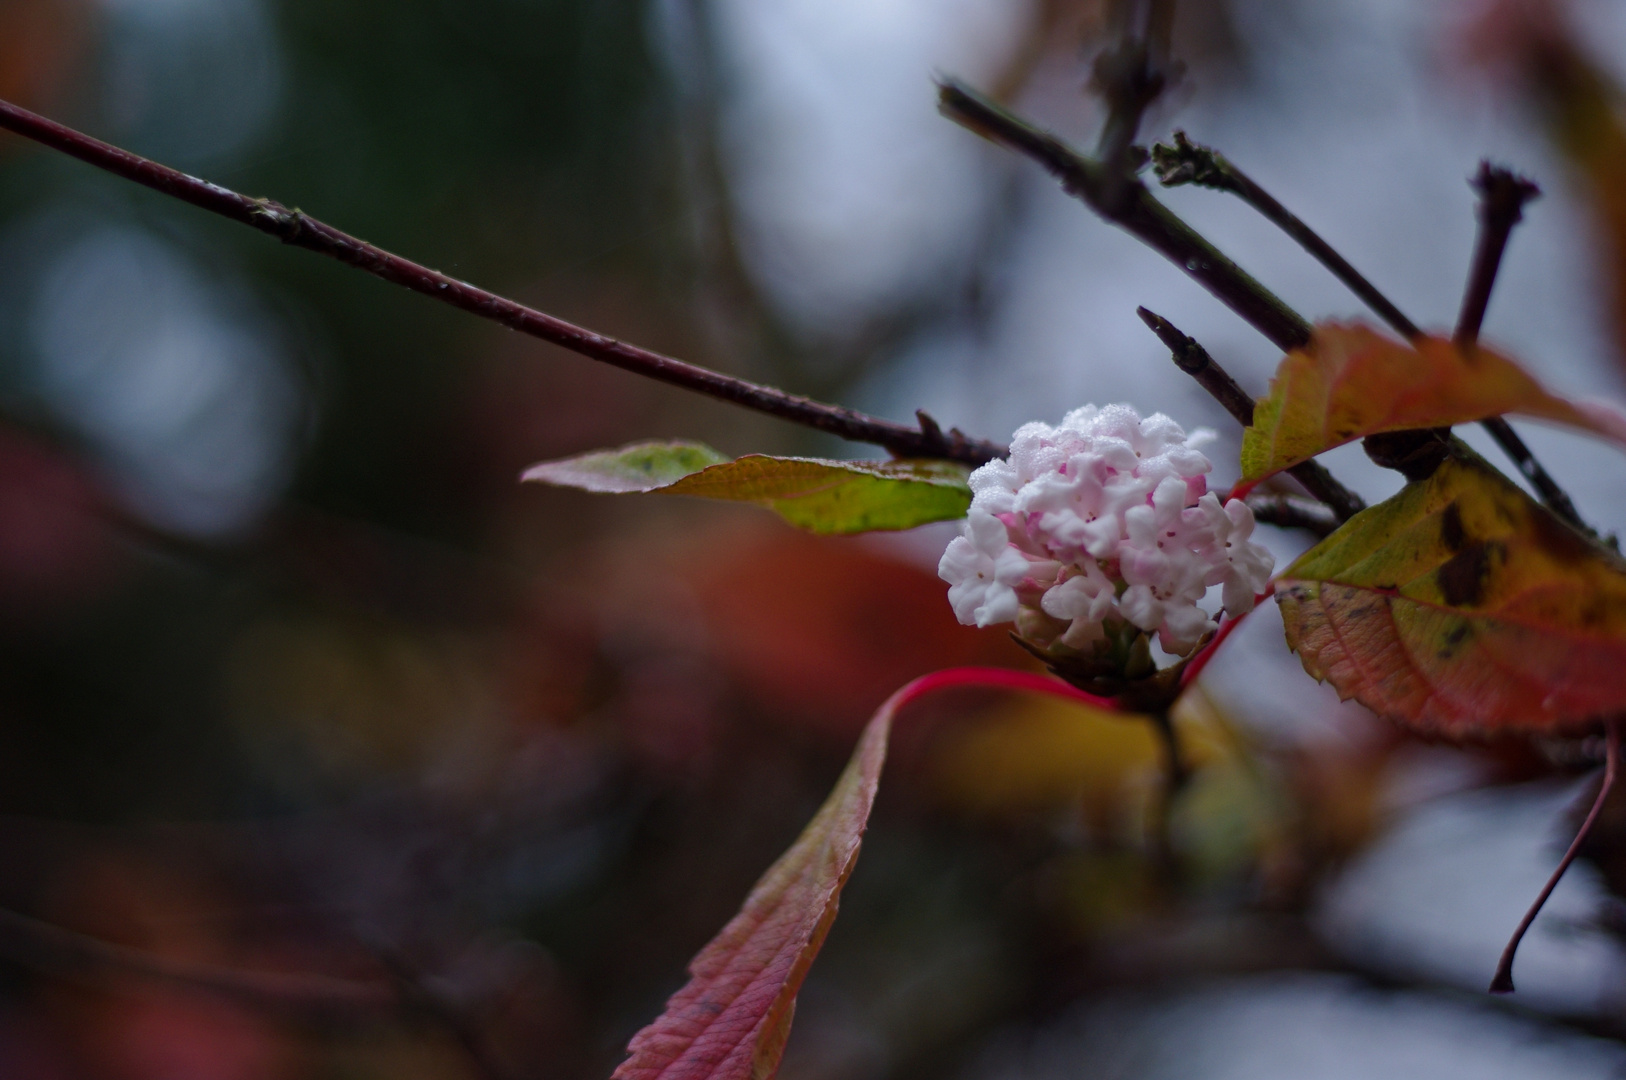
(996, 678)
(1194, 667)
(1502, 981)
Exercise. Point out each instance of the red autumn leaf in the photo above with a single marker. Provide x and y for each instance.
(732, 1019)
(1462, 608)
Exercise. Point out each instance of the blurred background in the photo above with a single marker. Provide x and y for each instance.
(329, 751)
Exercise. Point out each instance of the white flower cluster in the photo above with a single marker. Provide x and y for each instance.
(1102, 521)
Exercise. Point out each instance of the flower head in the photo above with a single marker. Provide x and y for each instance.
(1099, 526)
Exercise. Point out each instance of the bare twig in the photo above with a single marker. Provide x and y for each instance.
(1286, 512)
(1191, 358)
(1186, 162)
(1130, 76)
(1194, 360)
(66, 954)
(295, 227)
(1502, 981)
(1503, 196)
(1137, 212)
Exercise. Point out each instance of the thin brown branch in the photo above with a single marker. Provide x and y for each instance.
(1193, 359)
(1502, 197)
(1186, 162)
(1502, 981)
(65, 954)
(293, 226)
(1287, 512)
(1131, 75)
(1137, 212)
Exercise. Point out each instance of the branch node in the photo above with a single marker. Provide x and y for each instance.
(1131, 75)
(278, 220)
(930, 430)
(1185, 162)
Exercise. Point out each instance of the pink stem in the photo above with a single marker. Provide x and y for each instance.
(1241, 490)
(995, 678)
(1195, 667)
(1502, 981)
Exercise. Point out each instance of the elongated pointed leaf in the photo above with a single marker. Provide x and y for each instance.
(811, 493)
(1462, 608)
(1352, 381)
(732, 1019)
(646, 466)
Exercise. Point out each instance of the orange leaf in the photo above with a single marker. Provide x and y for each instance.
(1352, 381)
(1461, 608)
(732, 1019)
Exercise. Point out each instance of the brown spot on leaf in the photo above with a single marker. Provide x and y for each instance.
(1451, 534)
(1462, 578)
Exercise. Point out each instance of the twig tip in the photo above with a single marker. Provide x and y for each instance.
(1503, 189)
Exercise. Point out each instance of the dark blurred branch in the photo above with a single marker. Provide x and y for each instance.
(66, 954)
(315, 998)
(1193, 359)
(1131, 75)
(1502, 195)
(293, 226)
(416, 988)
(1286, 512)
(1502, 198)
(1177, 770)
(1135, 211)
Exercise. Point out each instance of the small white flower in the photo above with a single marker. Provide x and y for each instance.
(1103, 520)
(984, 570)
(994, 487)
(1083, 601)
(971, 566)
(1247, 566)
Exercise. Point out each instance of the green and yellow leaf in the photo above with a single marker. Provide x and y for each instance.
(1461, 608)
(819, 495)
(1352, 381)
